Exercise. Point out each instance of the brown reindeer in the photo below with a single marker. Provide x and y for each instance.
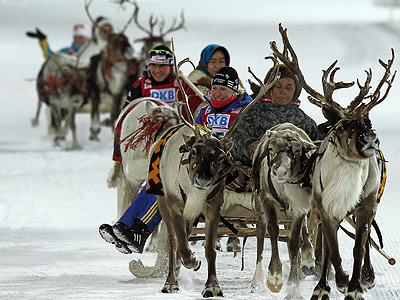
(346, 178)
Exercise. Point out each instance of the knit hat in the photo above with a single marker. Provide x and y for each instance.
(81, 30)
(285, 73)
(226, 76)
(206, 55)
(161, 55)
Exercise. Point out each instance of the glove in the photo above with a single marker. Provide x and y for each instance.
(38, 34)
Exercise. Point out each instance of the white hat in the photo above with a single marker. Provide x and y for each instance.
(81, 30)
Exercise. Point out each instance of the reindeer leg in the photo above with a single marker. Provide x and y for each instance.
(322, 290)
(318, 251)
(115, 109)
(75, 144)
(189, 259)
(275, 275)
(258, 276)
(95, 117)
(294, 245)
(35, 120)
(307, 255)
(212, 288)
(56, 117)
(367, 271)
(330, 227)
(171, 283)
(364, 218)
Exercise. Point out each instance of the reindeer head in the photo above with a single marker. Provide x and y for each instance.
(350, 128)
(286, 150)
(118, 47)
(152, 39)
(208, 159)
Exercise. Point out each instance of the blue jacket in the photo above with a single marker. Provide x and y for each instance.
(222, 118)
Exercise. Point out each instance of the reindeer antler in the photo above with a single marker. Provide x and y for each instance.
(173, 28)
(130, 19)
(356, 108)
(375, 97)
(185, 103)
(329, 86)
(154, 21)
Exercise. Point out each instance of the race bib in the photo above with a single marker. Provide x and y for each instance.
(167, 95)
(219, 120)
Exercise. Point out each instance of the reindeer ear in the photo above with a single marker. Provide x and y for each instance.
(250, 147)
(330, 115)
(308, 146)
(188, 143)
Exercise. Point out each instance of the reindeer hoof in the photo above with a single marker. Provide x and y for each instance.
(94, 137)
(34, 122)
(275, 282)
(195, 266)
(107, 122)
(212, 291)
(321, 294)
(308, 271)
(170, 288)
(275, 288)
(356, 295)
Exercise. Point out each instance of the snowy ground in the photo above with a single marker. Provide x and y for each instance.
(52, 201)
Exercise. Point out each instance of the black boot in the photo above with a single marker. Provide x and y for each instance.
(135, 236)
(106, 232)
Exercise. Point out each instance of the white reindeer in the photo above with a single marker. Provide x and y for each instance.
(346, 179)
(139, 125)
(279, 165)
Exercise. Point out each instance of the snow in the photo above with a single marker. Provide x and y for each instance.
(52, 200)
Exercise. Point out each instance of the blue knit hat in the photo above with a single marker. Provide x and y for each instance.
(206, 55)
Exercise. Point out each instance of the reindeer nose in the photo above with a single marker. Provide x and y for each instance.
(369, 139)
(201, 182)
(279, 172)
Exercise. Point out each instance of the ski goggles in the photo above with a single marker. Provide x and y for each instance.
(161, 57)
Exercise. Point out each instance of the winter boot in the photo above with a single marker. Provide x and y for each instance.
(106, 232)
(135, 236)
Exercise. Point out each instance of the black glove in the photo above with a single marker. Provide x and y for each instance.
(38, 34)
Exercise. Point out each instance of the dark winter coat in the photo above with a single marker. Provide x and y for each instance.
(262, 116)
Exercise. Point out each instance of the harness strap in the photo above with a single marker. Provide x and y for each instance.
(273, 190)
(228, 224)
(223, 221)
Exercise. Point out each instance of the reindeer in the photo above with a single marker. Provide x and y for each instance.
(112, 70)
(62, 84)
(152, 40)
(346, 178)
(139, 125)
(279, 165)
